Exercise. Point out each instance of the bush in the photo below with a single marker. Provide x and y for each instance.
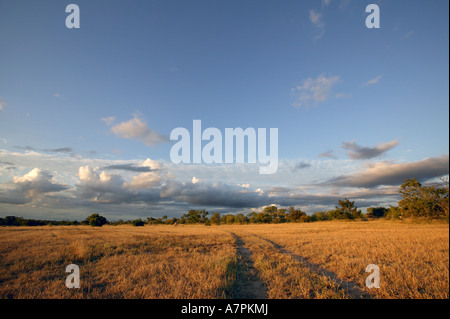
(138, 222)
(96, 220)
(376, 212)
(394, 212)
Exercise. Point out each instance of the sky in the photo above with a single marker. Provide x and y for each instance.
(86, 113)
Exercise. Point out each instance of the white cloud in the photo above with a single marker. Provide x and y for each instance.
(108, 120)
(317, 90)
(195, 180)
(373, 81)
(316, 18)
(326, 3)
(154, 165)
(136, 128)
(100, 188)
(37, 182)
(29, 187)
(343, 95)
(144, 181)
(89, 175)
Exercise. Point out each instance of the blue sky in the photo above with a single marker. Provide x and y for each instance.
(349, 102)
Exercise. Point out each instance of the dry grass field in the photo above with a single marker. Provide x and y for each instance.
(309, 260)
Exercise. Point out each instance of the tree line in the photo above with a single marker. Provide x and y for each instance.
(418, 201)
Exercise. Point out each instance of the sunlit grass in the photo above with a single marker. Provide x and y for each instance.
(200, 262)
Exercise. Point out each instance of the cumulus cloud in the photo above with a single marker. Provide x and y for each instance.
(136, 128)
(386, 173)
(153, 165)
(144, 181)
(107, 188)
(317, 90)
(100, 187)
(26, 188)
(215, 194)
(358, 152)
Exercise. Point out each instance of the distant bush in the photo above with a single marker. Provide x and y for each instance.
(138, 222)
(376, 212)
(96, 220)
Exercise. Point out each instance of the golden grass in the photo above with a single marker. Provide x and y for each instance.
(200, 262)
(284, 277)
(116, 262)
(413, 258)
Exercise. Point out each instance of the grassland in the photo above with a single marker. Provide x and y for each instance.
(308, 260)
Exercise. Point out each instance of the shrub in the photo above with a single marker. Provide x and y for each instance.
(96, 220)
(375, 212)
(138, 222)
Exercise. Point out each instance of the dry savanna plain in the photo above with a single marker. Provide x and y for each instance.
(318, 260)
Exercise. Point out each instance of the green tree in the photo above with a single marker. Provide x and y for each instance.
(394, 212)
(296, 215)
(203, 216)
(240, 219)
(96, 220)
(228, 219)
(429, 201)
(194, 217)
(347, 210)
(215, 218)
(270, 209)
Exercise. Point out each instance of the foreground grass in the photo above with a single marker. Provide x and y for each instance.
(413, 258)
(116, 262)
(200, 262)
